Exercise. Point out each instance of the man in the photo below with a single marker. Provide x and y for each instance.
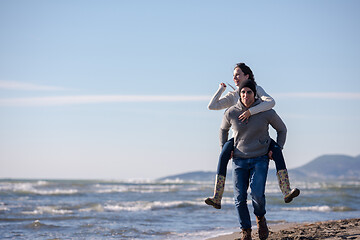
(250, 159)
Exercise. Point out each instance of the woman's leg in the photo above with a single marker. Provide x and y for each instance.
(224, 158)
(277, 156)
(282, 174)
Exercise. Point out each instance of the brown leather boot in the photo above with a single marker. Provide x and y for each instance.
(246, 234)
(262, 227)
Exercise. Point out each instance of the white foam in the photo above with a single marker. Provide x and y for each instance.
(48, 209)
(146, 206)
(56, 192)
(3, 208)
(94, 208)
(204, 234)
(323, 208)
(32, 188)
(136, 188)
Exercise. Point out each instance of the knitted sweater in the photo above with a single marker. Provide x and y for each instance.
(231, 98)
(251, 137)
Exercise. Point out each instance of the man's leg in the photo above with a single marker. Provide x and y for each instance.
(258, 181)
(241, 176)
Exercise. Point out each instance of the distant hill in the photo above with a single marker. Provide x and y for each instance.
(332, 166)
(323, 167)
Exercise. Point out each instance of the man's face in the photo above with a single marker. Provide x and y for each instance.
(247, 96)
(239, 76)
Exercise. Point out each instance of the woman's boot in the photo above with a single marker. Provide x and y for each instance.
(215, 201)
(284, 185)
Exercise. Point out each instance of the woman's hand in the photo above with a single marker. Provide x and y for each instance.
(223, 85)
(245, 115)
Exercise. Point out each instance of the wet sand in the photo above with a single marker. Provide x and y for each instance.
(337, 229)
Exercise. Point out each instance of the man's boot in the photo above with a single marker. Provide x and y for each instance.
(284, 185)
(215, 201)
(262, 227)
(246, 234)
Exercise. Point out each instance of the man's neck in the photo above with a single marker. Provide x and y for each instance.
(247, 105)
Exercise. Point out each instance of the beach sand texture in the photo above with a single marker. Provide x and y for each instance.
(337, 229)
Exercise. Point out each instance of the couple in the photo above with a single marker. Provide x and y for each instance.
(249, 114)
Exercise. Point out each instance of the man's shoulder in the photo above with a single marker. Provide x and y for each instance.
(233, 109)
(270, 112)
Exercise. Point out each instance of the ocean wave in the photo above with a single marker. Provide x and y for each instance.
(56, 192)
(48, 210)
(153, 181)
(3, 208)
(323, 208)
(202, 234)
(136, 188)
(312, 185)
(147, 206)
(92, 208)
(39, 225)
(33, 188)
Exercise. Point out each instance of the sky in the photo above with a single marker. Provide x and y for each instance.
(119, 89)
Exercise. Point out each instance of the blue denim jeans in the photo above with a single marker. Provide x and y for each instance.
(277, 155)
(250, 172)
(225, 155)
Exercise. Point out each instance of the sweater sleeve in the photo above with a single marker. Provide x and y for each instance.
(224, 130)
(267, 102)
(217, 102)
(280, 128)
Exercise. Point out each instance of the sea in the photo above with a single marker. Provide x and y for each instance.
(154, 209)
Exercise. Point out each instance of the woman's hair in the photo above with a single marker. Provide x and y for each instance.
(246, 70)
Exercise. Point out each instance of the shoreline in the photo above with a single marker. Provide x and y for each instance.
(331, 229)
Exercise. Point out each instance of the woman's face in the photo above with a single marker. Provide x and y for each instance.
(239, 76)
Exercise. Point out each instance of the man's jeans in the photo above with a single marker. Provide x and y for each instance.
(253, 172)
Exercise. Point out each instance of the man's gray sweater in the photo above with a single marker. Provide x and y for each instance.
(251, 137)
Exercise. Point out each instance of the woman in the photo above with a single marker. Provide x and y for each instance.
(241, 73)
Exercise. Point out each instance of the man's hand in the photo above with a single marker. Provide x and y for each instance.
(270, 155)
(245, 115)
(223, 85)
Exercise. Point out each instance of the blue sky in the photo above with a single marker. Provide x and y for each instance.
(119, 89)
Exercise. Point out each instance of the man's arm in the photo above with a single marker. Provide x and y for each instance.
(224, 129)
(280, 128)
(217, 102)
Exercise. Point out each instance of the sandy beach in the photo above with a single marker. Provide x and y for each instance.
(337, 229)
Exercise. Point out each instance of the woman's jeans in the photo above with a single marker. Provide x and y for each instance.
(228, 147)
(253, 172)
